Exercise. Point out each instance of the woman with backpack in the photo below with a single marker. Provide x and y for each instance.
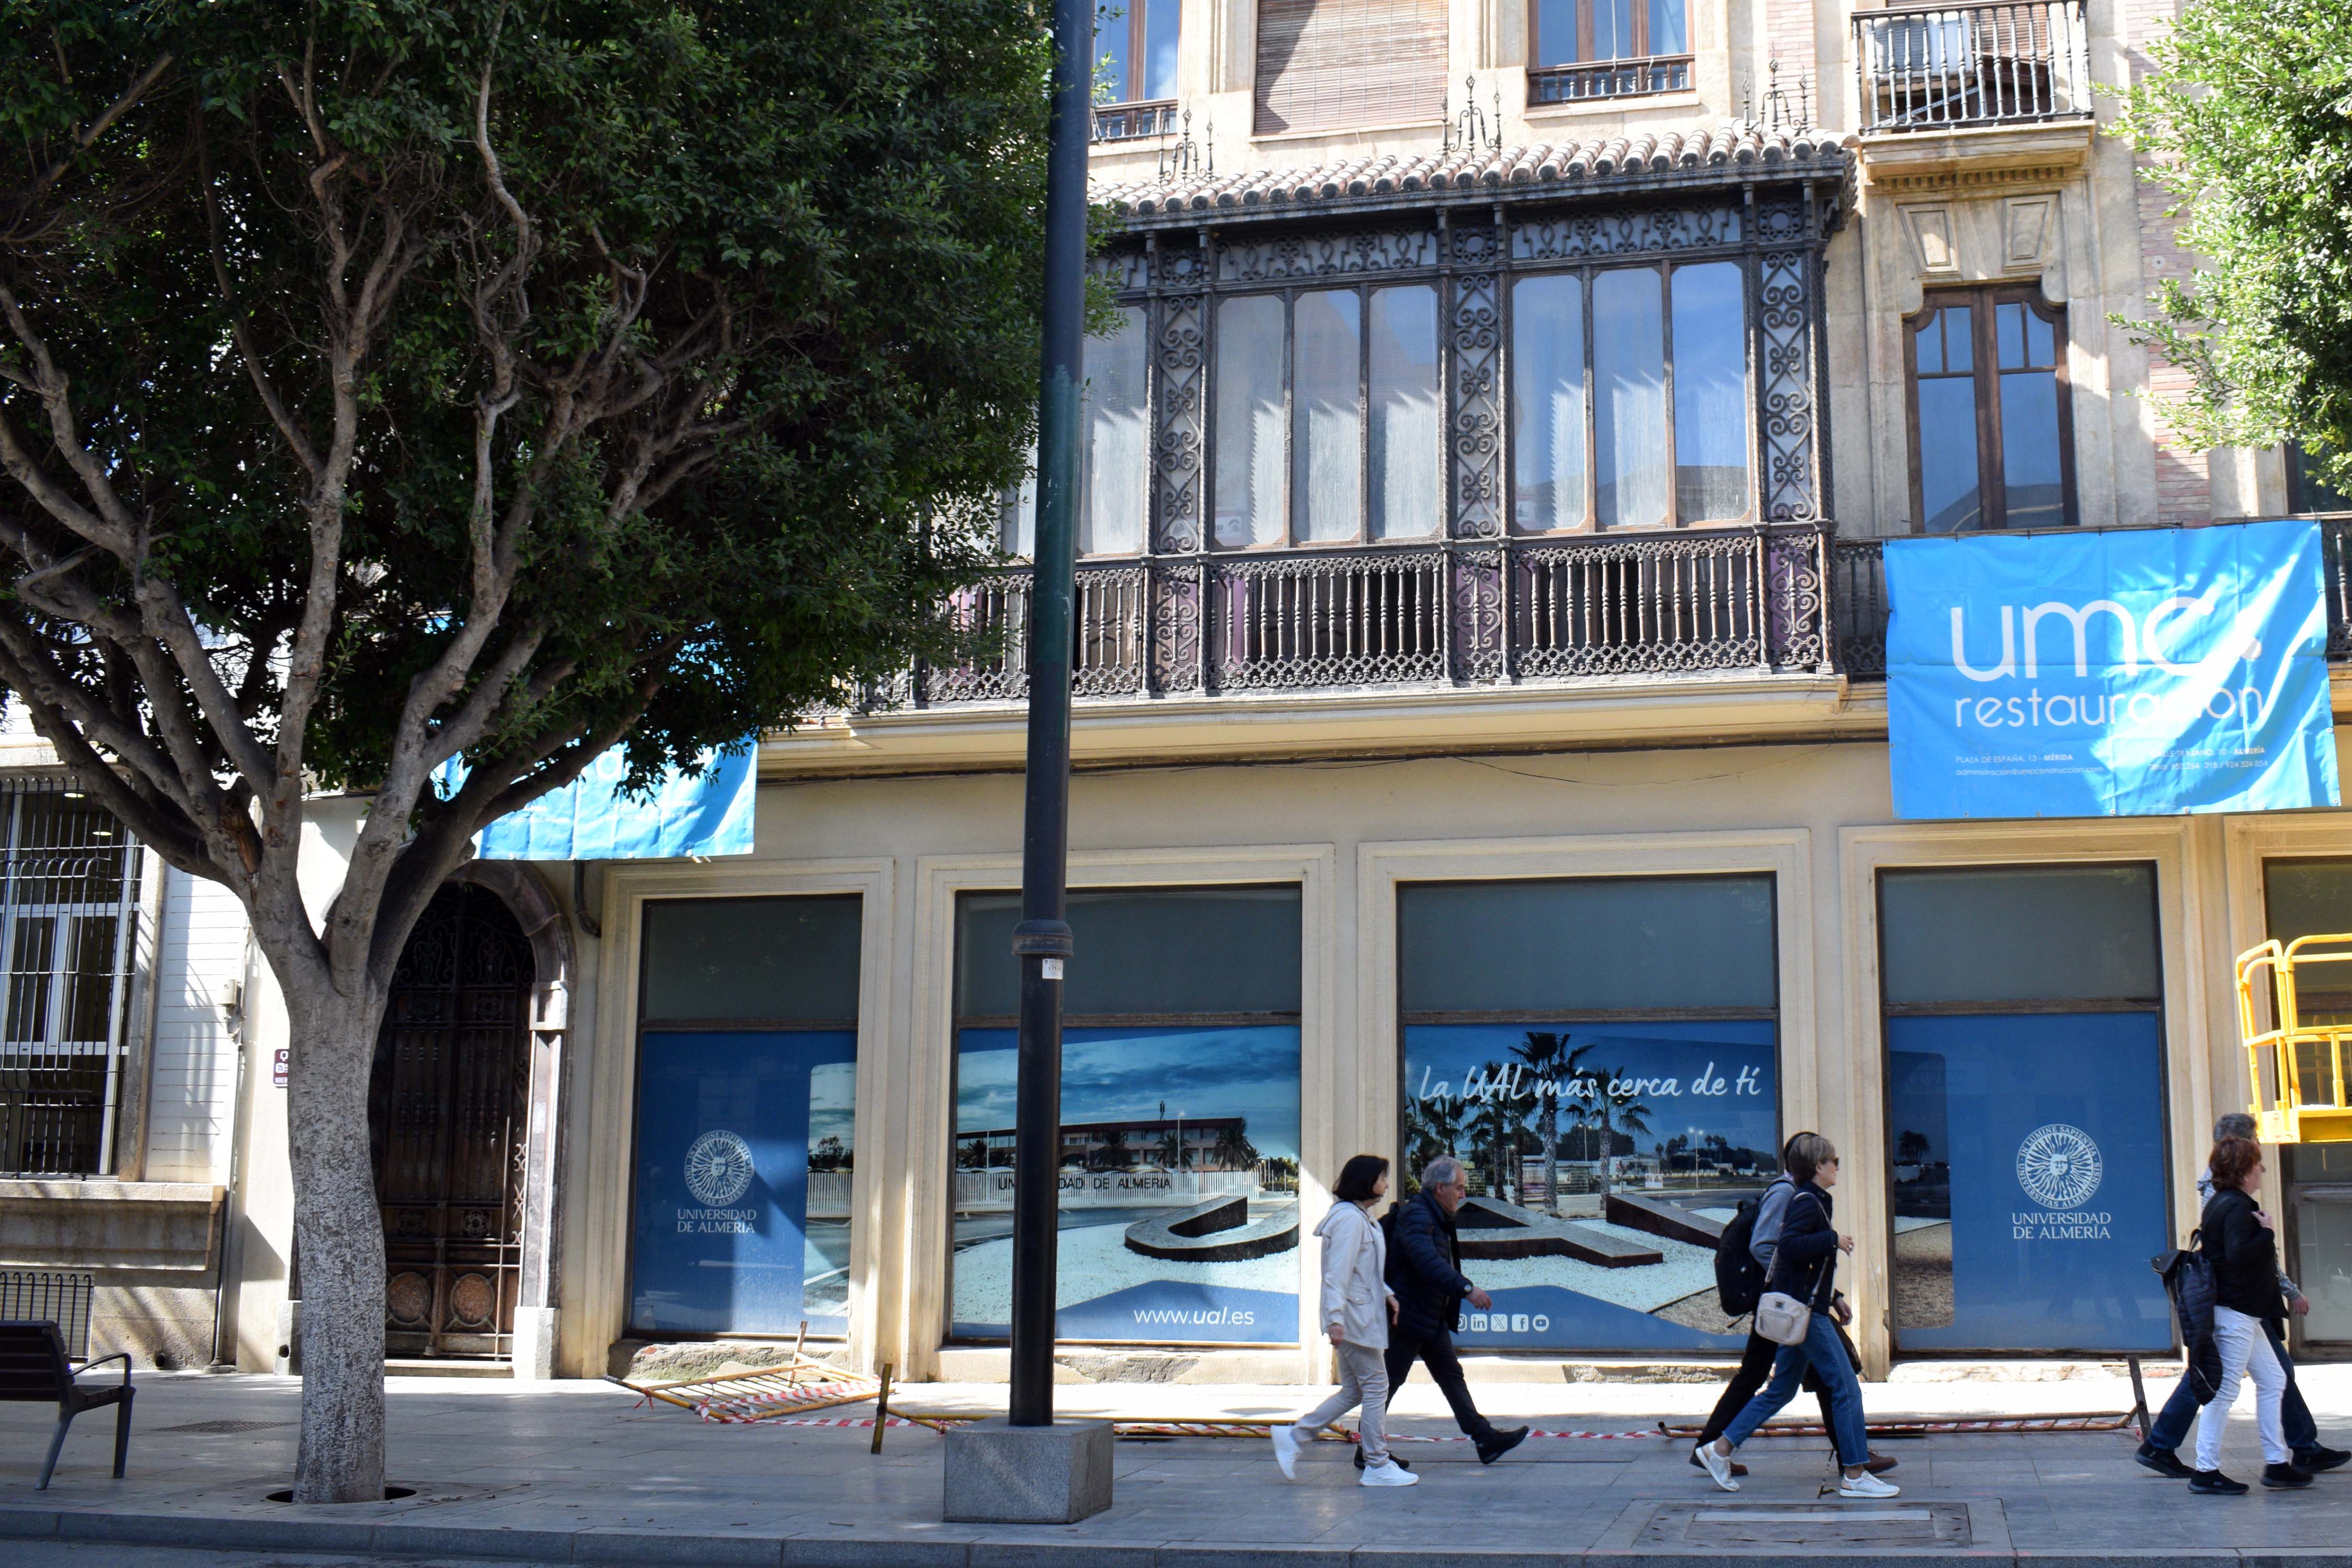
(1743, 1262)
(1356, 1310)
(1804, 1281)
(2237, 1239)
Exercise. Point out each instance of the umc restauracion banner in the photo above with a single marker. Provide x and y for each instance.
(2136, 673)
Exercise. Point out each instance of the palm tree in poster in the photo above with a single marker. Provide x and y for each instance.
(1545, 1052)
(1604, 1107)
(1433, 1128)
(1495, 1131)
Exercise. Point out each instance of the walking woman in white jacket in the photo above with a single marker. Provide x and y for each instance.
(1357, 1311)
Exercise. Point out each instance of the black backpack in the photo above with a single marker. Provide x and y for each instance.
(1739, 1277)
(1396, 1271)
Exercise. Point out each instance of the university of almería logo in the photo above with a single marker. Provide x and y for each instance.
(2059, 1166)
(718, 1168)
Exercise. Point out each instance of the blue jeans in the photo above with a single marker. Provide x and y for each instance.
(2179, 1412)
(1836, 1373)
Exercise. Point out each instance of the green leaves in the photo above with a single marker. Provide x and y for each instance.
(805, 235)
(2248, 120)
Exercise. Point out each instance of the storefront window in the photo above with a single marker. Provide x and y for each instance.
(2025, 1106)
(746, 1101)
(1180, 1117)
(1602, 1056)
(2314, 898)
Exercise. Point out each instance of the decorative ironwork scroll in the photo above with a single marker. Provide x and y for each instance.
(1176, 615)
(1795, 595)
(1575, 236)
(1784, 357)
(1478, 614)
(1179, 444)
(1477, 385)
(1294, 256)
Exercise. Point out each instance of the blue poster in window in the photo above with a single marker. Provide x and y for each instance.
(2028, 1182)
(2141, 672)
(744, 1155)
(1179, 1207)
(1603, 1160)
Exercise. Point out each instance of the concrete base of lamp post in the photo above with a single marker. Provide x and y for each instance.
(1002, 1474)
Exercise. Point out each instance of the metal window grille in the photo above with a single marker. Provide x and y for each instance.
(38, 1296)
(68, 906)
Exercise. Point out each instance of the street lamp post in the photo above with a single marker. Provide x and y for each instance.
(1041, 942)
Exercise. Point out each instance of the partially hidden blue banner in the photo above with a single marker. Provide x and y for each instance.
(591, 819)
(2134, 673)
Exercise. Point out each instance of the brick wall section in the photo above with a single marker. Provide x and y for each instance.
(2183, 487)
(1788, 38)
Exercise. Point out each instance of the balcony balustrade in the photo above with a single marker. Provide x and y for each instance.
(1935, 69)
(1746, 600)
(1608, 79)
(1133, 121)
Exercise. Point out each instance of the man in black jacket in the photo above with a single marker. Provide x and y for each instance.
(1424, 1271)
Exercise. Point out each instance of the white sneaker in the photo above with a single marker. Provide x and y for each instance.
(1718, 1465)
(1866, 1485)
(1285, 1451)
(1385, 1474)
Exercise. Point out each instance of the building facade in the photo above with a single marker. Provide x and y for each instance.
(1481, 748)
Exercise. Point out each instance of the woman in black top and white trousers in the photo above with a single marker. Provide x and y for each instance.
(2237, 1239)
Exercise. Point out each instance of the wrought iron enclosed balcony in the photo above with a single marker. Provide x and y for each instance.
(1940, 67)
(1739, 601)
(1134, 122)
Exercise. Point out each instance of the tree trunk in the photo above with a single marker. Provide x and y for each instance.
(339, 1235)
(1552, 1152)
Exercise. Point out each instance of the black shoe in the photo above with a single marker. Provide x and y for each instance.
(1393, 1459)
(2282, 1477)
(2163, 1461)
(2213, 1483)
(2314, 1461)
(1737, 1468)
(1500, 1443)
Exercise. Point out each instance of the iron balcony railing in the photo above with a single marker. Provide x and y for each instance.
(1133, 121)
(1859, 610)
(1746, 600)
(1933, 68)
(1608, 79)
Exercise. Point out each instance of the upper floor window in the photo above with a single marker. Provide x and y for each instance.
(1606, 48)
(1991, 435)
(1327, 426)
(1327, 65)
(1114, 449)
(66, 925)
(1135, 50)
(1629, 397)
(2306, 489)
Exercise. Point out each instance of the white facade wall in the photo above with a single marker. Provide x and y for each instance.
(200, 973)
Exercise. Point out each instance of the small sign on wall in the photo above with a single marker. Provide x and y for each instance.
(278, 1066)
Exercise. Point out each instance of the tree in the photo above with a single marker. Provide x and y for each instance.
(1544, 1052)
(1433, 1126)
(1607, 1108)
(392, 381)
(1910, 1147)
(2248, 117)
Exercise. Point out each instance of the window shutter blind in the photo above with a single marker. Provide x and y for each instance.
(1331, 64)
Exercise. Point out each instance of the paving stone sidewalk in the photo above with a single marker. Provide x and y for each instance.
(583, 1472)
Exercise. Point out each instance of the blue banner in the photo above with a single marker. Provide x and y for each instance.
(744, 1174)
(591, 819)
(2030, 1185)
(2135, 673)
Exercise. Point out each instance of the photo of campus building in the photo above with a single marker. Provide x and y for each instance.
(1480, 749)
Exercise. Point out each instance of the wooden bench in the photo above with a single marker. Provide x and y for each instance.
(34, 1371)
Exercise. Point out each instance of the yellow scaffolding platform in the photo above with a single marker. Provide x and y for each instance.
(2297, 1067)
